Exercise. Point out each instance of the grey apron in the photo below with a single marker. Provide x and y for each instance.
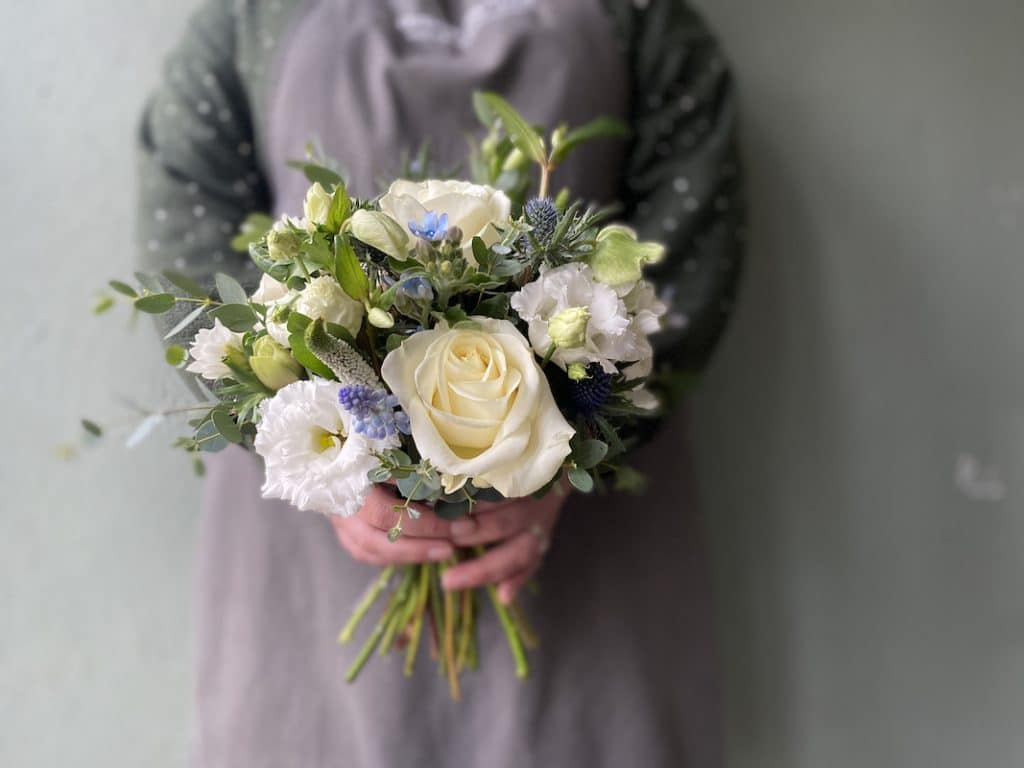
(625, 673)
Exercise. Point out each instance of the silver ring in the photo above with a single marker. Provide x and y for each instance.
(542, 538)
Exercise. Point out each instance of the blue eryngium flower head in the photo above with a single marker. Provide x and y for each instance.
(373, 412)
(434, 227)
(416, 288)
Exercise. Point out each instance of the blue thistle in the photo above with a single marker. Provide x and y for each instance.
(373, 412)
(591, 393)
(541, 214)
(432, 229)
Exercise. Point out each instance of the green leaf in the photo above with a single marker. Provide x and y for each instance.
(348, 270)
(581, 479)
(340, 208)
(155, 303)
(315, 172)
(124, 288)
(255, 226)
(237, 317)
(602, 127)
(186, 284)
(496, 307)
(521, 132)
(414, 488)
(149, 282)
(481, 253)
(226, 426)
(629, 480)
(296, 283)
(209, 439)
(92, 428)
(305, 358)
(102, 304)
(379, 475)
(589, 453)
(229, 290)
(176, 355)
(450, 510)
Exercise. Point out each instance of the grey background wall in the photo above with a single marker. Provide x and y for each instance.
(859, 435)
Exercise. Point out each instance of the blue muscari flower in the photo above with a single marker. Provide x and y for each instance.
(434, 227)
(416, 288)
(373, 412)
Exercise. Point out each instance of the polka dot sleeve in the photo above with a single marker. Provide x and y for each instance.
(683, 179)
(199, 175)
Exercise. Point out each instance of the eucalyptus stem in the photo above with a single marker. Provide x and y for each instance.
(367, 601)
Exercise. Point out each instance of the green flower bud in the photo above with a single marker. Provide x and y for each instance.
(515, 161)
(317, 205)
(568, 329)
(381, 231)
(577, 371)
(619, 257)
(558, 136)
(283, 244)
(379, 318)
(273, 364)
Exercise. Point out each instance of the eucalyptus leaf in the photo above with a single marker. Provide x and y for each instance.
(229, 290)
(149, 282)
(496, 306)
(317, 173)
(142, 431)
(450, 510)
(155, 303)
(123, 288)
(185, 283)
(255, 226)
(185, 322)
(103, 304)
(581, 479)
(92, 428)
(602, 127)
(237, 317)
(589, 453)
(414, 488)
(226, 426)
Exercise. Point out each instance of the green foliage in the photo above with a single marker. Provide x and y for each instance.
(186, 284)
(155, 303)
(176, 355)
(602, 127)
(226, 426)
(522, 134)
(103, 304)
(229, 290)
(123, 288)
(581, 479)
(237, 317)
(315, 172)
(92, 428)
(348, 271)
(588, 453)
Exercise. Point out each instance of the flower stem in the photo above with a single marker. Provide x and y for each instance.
(466, 629)
(422, 594)
(515, 643)
(373, 639)
(400, 615)
(449, 643)
(367, 601)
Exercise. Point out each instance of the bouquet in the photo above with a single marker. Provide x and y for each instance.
(465, 342)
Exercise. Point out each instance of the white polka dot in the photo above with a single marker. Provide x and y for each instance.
(198, 211)
(209, 80)
(203, 107)
(240, 187)
(669, 224)
(153, 245)
(244, 148)
(160, 214)
(190, 237)
(180, 263)
(268, 42)
(691, 204)
(171, 108)
(681, 185)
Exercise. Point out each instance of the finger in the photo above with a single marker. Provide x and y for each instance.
(509, 588)
(379, 511)
(502, 562)
(371, 545)
(496, 523)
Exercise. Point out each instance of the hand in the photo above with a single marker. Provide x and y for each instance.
(524, 528)
(365, 534)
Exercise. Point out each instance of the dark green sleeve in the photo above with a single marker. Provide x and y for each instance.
(683, 180)
(198, 171)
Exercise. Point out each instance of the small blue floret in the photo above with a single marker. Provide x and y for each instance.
(434, 227)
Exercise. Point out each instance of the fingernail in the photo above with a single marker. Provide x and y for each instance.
(463, 526)
(505, 595)
(439, 553)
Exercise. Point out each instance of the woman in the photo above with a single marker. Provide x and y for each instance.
(625, 674)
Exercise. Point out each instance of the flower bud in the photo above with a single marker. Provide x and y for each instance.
(273, 365)
(568, 329)
(619, 257)
(283, 244)
(454, 235)
(379, 318)
(515, 161)
(317, 205)
(577, 371)
(381, 231)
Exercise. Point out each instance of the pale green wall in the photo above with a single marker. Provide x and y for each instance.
(869, 604)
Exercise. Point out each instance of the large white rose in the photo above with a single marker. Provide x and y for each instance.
(473, 208)
(479, 406)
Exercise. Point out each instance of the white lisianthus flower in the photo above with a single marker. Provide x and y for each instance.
(646, 311)
(322, 299)
(573, 286)
(479, 406)
(313, 459)
(475, 209)
(209, 348)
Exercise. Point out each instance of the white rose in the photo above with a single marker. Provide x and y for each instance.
(210, 347)
(317, 205)
(322, 299)
(474, 208)
(479, 406)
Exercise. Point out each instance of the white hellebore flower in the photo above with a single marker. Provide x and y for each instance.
(479, 406)
(474, 208)
(571, 287)
(322, 298)
(209, 348)
(313, 460)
